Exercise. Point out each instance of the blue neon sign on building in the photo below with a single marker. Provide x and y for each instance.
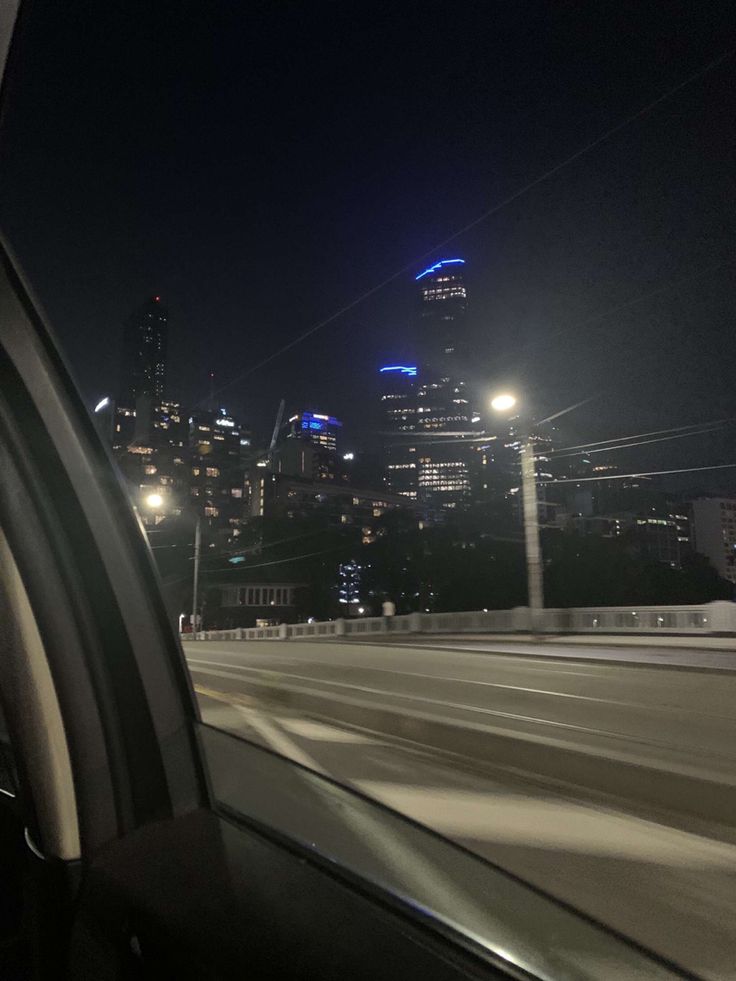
(439, 265)
(404, 369)
(316, 422)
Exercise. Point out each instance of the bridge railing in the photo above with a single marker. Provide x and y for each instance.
(718, 617)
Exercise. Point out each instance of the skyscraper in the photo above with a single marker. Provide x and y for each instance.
(445, 419)
(398, 424)
(144, 353)
(429, 424)
(442, 309)
(310, 447)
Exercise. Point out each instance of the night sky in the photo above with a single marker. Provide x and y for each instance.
(261, 165)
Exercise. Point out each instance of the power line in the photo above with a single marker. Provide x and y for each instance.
(628, 304)
(295, 558)
(563, 412)
(650, 473)
(484, 216)
(255, 547)
(641, 442)
(654, 432)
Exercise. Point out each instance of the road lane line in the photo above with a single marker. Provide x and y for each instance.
(279, 678)
(679, 709)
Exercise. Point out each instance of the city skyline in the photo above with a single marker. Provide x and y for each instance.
(372, 437)
(578, 287)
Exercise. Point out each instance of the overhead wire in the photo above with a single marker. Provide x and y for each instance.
(484, 216)
(653, 432)
(649, 473)
(293, 558)
(642, 442)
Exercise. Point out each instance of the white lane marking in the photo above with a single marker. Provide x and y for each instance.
(320, 732)
(280, 677)
(551, 825)
(520, 689)
(526, 662)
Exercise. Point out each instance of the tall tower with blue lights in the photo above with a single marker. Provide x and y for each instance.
(429, 424)
(442, 309)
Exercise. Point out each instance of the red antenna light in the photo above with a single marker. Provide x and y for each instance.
(157, 298)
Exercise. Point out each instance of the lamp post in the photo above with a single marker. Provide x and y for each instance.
(195, 583)
(504, 403)
(156, 502)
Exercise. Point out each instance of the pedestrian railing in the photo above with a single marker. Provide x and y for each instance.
(718, 617)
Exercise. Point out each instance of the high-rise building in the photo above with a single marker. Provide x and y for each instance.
(447, 425)
(315, 428)
(430, 427)
(398, 425)
(219, 456)
(310, 448)
(144, 353)
(442, 309)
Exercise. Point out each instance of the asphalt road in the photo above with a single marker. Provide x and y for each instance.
(611, 785)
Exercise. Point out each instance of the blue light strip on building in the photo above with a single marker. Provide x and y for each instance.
(308, 418)
(438, 265)
(405, 369)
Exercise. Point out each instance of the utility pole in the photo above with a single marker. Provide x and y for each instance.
(195, 585)
(504, 403)
(531, 535)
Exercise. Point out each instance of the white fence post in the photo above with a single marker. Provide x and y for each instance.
(721, 615)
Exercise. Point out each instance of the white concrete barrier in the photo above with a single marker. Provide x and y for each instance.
(718, 617)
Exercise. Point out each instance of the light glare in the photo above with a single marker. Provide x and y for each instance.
(502, 403)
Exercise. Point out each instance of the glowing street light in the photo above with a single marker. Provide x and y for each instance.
(503, 402)
(154, 501)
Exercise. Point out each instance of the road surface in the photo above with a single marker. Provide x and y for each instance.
(611, 785)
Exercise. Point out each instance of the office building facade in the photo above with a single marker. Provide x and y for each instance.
(309, 448)
(145, 344)
(398, 428)
(219, 455)
(441, 314)
(447, 425)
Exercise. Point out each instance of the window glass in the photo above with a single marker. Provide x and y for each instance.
(419, 320)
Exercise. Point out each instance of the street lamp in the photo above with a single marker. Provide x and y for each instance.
(155, 501)
(502, 403)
